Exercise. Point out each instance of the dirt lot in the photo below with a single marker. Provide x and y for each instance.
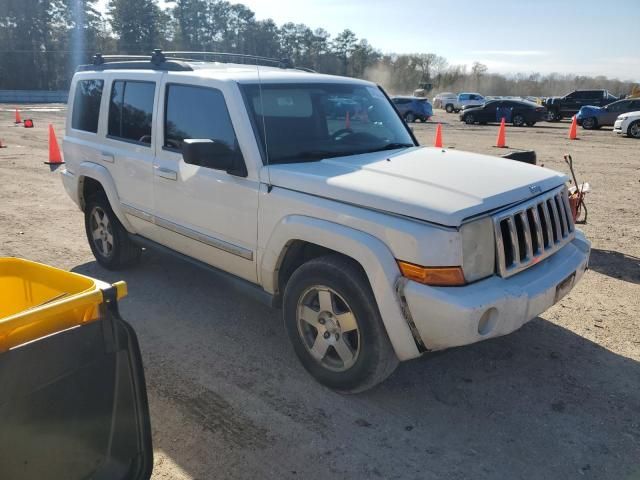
(558, 399)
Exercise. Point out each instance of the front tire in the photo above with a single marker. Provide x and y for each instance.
(449, 108)
(634, 129)
(469, 119)
(409, 117)
(553, 116)
(334, 325)
(589, 123)
(108, 239)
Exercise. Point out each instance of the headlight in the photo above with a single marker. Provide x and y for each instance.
(622, 117)
(478, 249)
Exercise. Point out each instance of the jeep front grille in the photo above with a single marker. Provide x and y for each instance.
(532, 231)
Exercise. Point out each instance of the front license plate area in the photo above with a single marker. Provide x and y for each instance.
(564, 286)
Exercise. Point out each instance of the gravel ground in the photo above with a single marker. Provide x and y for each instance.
(560, 398)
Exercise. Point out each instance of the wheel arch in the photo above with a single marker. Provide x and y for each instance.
(295, 237)
(92, 178)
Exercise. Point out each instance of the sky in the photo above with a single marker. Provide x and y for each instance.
(586, 37)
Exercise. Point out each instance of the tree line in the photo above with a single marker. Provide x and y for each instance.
(43, 41)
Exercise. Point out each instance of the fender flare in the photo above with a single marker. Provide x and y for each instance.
(372, 254)
(101, 174)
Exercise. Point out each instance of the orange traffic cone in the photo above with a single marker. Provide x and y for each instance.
(438, 142)
(347, 121)
(573, 130)
(54, 150)
(501, 142)
(18, 119)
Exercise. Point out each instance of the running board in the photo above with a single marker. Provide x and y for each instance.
(241, 285)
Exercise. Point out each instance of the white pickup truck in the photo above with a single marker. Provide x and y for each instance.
(375, 248)
(464, 100)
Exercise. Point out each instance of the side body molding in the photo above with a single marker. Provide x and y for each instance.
(374, 256)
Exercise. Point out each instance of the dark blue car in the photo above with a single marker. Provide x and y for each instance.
(413, 108)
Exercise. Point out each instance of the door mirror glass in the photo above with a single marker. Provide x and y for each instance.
(208, 153)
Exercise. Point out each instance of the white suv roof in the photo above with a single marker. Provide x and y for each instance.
(180, 63)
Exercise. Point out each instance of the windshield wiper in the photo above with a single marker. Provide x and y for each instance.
(323, 154)
(390, 146)
(314, 155)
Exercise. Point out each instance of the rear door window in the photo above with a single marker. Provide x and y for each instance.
(86, 105)
(131, 111)
(619, 107)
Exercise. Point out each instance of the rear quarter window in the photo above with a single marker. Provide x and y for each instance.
(86, 105)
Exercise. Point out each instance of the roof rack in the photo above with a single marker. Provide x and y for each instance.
(223, 57)
(176, 61)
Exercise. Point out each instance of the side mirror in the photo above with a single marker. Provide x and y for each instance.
(213, 154)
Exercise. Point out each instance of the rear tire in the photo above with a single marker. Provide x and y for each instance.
(634, 129)
(332, 320)
(518, 120)
(589, 123)
(409, 117)
(108, 239)
(449, 108)
(469, 119)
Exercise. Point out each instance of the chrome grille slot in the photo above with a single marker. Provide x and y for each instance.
(532, 231)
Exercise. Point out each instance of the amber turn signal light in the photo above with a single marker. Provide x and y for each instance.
(436, 276)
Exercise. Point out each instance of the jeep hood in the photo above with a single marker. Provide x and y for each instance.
(436, 185)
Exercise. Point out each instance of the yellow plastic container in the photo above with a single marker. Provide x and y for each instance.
(37, 300)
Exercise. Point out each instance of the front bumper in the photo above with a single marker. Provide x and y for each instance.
(452, 316)
(617, 126)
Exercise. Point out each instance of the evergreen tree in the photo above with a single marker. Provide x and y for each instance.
(138, 24)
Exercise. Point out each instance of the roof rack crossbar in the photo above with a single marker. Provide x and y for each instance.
(226, 57)
(176, 60)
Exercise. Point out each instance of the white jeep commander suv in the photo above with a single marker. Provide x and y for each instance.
(312, 190)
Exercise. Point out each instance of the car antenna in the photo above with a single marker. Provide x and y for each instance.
(264, 131)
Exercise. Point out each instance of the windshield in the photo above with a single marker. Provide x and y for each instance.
(311, 121)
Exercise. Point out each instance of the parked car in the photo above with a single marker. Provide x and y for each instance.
(567, 106)
(444, 98)
(339, 107)
(592, 117)
(376, 249)
(628, 124)
(518, 112)
(413, 108)
(465, 100)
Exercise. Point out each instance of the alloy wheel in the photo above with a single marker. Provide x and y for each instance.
(101, 232)
(328, 328)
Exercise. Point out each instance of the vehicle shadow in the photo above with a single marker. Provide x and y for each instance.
(615, 264)
(230, 400)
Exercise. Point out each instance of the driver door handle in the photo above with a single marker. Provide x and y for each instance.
(166, 173)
